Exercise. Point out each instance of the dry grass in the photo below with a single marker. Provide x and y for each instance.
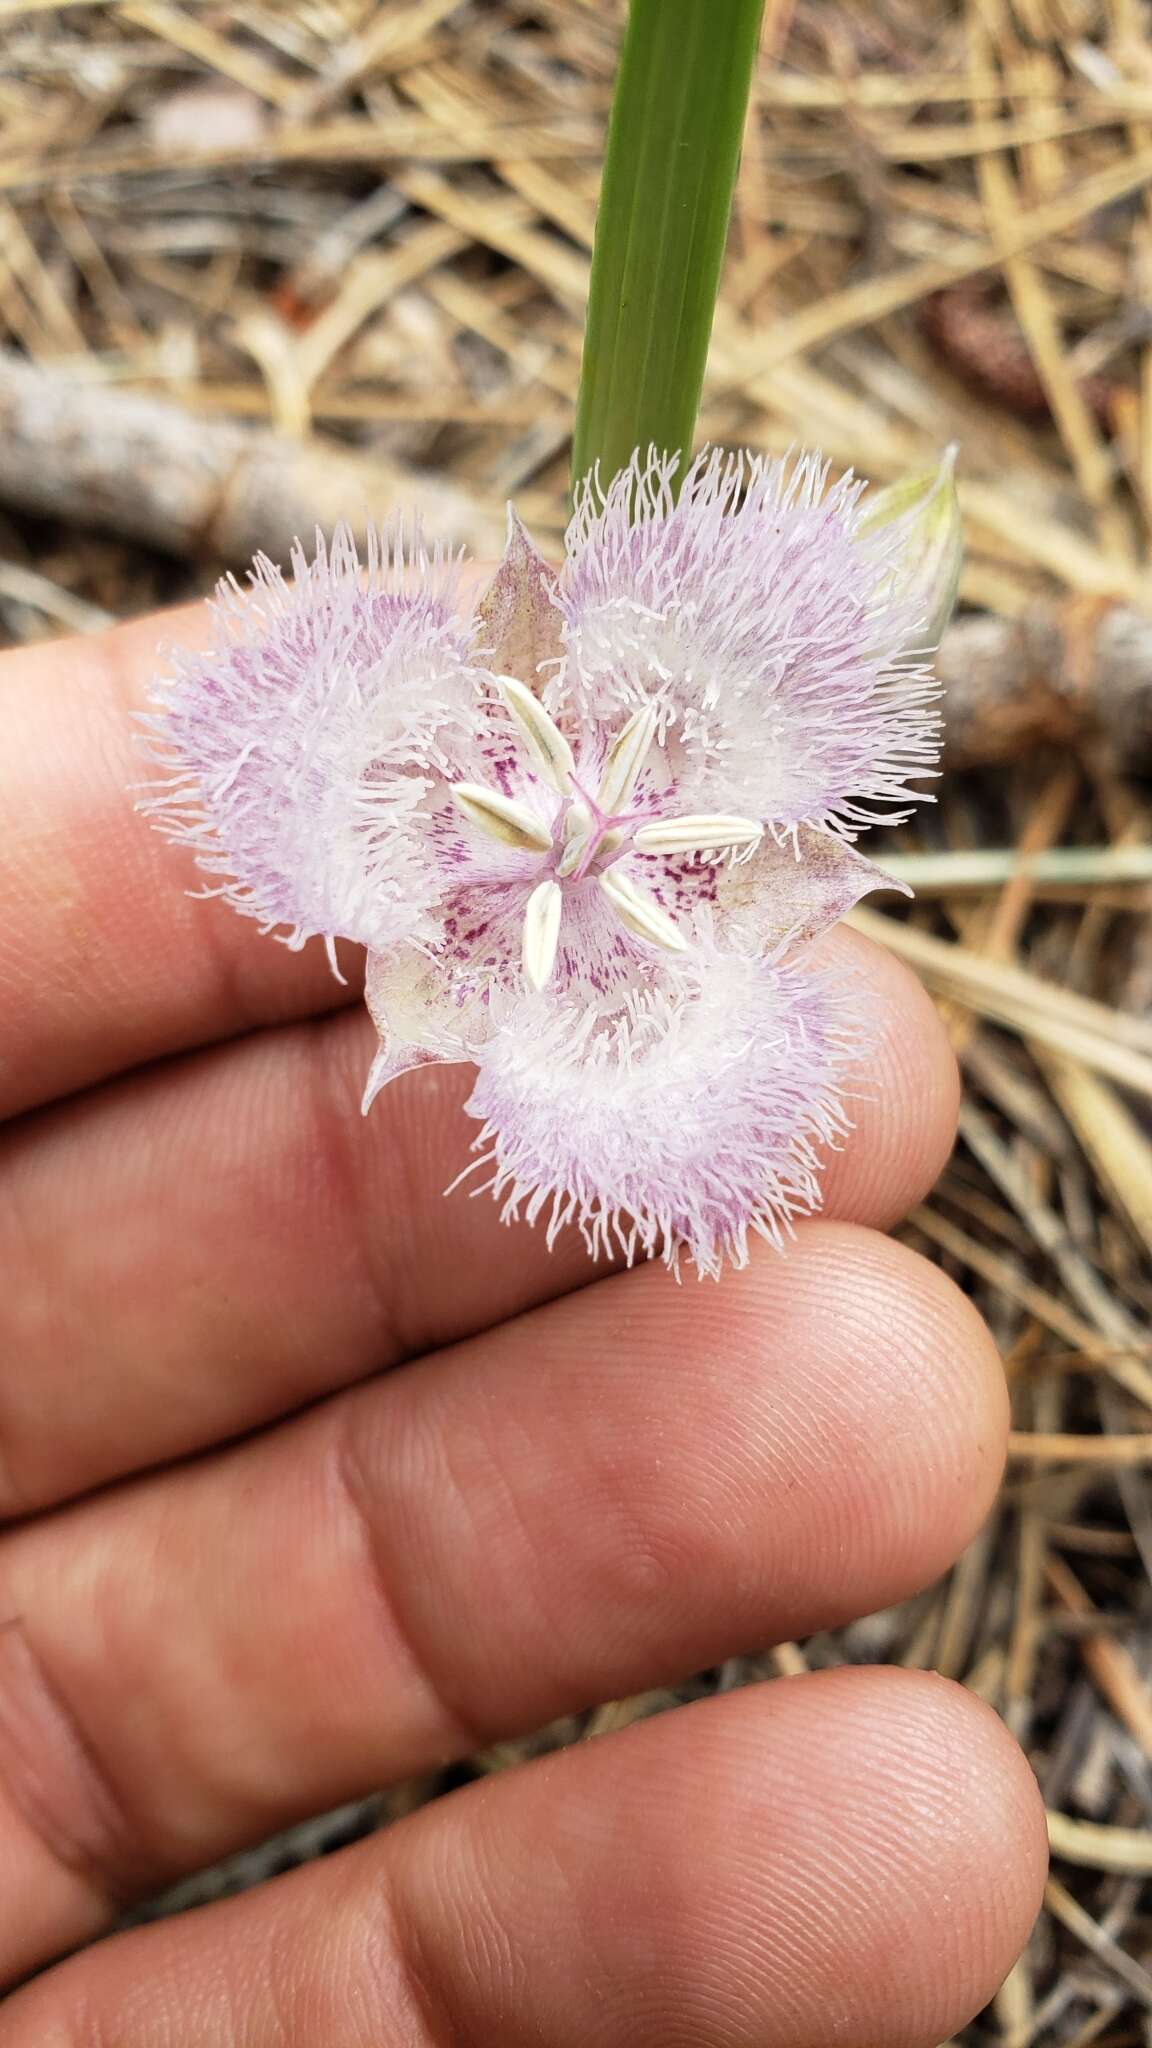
(373, 224)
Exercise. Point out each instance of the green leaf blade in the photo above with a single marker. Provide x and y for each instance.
(669, 171)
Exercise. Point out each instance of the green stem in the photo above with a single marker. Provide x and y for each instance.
(669, 169)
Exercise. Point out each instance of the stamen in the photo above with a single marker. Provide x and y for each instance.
(541, 735)
(542, 932)
(502, 817)
(625, 761)
(640, 913)
(703, 834)
(577, 826)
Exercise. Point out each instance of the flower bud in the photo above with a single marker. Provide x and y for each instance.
(926, 508)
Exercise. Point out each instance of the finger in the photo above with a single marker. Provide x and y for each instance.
(206, 1245)
(903, 1094)
(616, 1489)
(849, 1859)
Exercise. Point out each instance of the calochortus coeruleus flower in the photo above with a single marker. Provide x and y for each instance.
(588, 825)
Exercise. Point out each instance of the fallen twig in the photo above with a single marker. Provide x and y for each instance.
(76, 448)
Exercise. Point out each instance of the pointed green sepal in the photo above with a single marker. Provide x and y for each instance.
(927, 507)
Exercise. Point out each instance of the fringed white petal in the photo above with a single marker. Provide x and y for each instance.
(679, 1122)
(769, 632)
(298, 748)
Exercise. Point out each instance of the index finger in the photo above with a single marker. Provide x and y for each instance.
(105, 959)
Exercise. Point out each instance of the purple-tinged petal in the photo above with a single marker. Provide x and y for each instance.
(678, 1122)
(298, 748)
(518, 615)
(787, 893)
(768, 626)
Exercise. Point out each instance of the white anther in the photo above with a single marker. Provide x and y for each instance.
(625, 761)
(640, 913)
(542, 932)
(577, 826)
(543, 738)
(703, 834)
(502, 817)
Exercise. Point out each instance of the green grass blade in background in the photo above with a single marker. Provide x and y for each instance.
(669, 169)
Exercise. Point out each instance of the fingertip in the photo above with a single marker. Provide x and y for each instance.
(902, 1398)
(968, 1846)
(856, 1855)
(868, 1858)
(903, 1090)
(951, 1369)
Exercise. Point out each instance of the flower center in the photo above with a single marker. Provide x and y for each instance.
(593, 832)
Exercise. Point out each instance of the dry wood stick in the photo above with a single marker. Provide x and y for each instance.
(144, 468)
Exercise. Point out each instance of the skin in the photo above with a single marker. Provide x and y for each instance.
(311, 1479)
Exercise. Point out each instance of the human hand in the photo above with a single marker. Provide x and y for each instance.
(298, 1574)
